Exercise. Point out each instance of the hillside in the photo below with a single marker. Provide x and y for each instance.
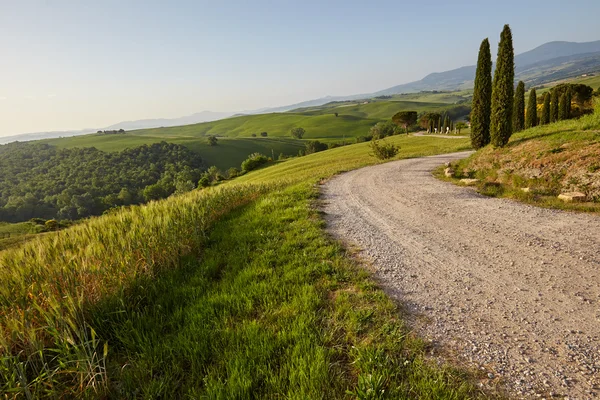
(174, 297)
(235, 134)
(540, 163)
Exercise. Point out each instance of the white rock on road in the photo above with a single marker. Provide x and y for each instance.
(509, 288)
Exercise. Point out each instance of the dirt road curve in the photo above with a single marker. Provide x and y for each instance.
(506, 287)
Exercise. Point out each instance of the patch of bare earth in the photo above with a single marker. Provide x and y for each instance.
(507, 288)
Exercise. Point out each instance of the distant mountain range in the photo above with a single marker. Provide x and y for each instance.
(549, 62)
(546, 63)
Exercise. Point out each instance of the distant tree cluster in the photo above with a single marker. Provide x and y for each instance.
(566, 101)
(113, 132)
(39, 180)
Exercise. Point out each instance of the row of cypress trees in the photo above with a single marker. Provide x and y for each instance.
(492, 119)
(497, 109)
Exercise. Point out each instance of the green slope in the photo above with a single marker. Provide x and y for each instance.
(235, 134)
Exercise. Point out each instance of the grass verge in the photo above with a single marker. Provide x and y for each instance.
(540, 163)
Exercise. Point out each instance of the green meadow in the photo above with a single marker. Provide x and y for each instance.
(235, 135)
(233, 291)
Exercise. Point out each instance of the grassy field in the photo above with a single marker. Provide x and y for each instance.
(545, 161)
(235, 134)
(229, 292)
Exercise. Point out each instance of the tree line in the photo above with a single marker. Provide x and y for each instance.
(498, 109)
(40, 180)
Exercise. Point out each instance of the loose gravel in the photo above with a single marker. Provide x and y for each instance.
(510, 289)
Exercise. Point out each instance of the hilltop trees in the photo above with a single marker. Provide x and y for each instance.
(212, 140)
(405, 119)
(503, 91)
(531, 116)
(545, 118)
(519, 108)
(298, 133)
(482, 98)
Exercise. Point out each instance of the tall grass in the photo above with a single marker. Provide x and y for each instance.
(47, 287)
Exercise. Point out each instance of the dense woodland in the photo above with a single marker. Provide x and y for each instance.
(39, 180)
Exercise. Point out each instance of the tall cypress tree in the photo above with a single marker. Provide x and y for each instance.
(554, 106)
(569, 99)
(531, 117)
(519, 108)
(546, 110)
(439, 124)
(503, 90)
(562, 107)
(482, 98)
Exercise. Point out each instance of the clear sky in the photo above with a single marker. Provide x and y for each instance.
(89, 64)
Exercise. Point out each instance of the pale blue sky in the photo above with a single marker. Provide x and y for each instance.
(82, 63)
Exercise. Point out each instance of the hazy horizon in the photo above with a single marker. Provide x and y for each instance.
(70, 66)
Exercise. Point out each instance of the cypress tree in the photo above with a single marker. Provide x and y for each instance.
(569, 99)
(503, 91)
(519, 108)
(562, 107)
(451, 126)
(546, 110)
(439, 124)
(531, 117)
(482, 98)
(446, 123)
(554, 106)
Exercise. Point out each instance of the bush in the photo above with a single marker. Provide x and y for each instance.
(298, 133)
(254, 161)
(383, 150)
(51, 225)
(315, 146)
(232, 172)
(263, 134)
(383, 129)
(362, 139)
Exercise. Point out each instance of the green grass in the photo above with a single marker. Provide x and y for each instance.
(15, 234)
(547, 160)
(228, 292)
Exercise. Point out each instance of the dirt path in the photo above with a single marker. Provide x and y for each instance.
(439, 136)
(509, 288)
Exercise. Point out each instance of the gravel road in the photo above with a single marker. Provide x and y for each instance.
(508, 288)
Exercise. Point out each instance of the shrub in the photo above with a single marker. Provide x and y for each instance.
(51, 225)
(383, 150)
(314, 146)
(232, 172)
(362, 139)
(263, 134)
(254, 161)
